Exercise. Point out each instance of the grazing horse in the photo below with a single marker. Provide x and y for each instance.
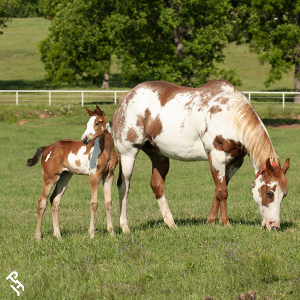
(214, 123)
(94, 156)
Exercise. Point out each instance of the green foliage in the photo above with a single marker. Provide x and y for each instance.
(179, 42)
(6, 11)
(76, 47)
(275, 30)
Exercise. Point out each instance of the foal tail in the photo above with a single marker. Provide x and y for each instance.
(33, 161)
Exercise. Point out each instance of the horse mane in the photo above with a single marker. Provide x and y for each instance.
(252, 133)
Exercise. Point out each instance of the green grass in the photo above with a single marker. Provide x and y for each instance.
(193, 262)
(21, 68)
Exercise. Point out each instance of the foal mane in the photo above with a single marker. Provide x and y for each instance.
(252, 133)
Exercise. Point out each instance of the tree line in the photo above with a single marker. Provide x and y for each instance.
(181, 41)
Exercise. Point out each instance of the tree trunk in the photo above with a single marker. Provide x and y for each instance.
(297, 81)
(105, 84)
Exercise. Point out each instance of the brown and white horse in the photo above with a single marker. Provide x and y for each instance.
(214, 123)
(97, 158)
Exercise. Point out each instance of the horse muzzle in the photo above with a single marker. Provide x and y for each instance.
(85, 139)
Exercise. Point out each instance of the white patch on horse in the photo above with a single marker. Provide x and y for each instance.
(84, 161)
(48, 156)
(90, 126)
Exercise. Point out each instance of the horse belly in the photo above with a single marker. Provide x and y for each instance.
(185, 147)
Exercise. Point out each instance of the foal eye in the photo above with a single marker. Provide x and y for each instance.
(97, 124)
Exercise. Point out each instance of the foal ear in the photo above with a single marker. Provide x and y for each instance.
(90, 113)
(99, 111)
(286, 165)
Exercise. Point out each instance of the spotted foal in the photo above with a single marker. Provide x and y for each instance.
(94, 156)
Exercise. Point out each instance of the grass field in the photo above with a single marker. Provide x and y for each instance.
(193, 262)
(21, 68)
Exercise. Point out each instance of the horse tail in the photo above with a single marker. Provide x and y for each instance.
(122, 97)
(33, 161)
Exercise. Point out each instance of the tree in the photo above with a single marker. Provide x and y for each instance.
(6, 12)
(180, 41)
(275, 30)
(77, 48)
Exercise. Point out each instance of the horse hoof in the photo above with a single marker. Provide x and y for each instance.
(57, 235)
(125, 229)
(211, 221)
(37, 236)
(173, 226)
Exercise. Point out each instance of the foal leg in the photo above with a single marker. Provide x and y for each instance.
(218, 171)
(107, 185)
(94, 183)
(160, 169)
(55, 198)
(126, 167)
(42, 203)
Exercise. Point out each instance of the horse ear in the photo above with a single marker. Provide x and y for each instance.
(90, 113)
(269, 167)
(99, 111)
(286, 165)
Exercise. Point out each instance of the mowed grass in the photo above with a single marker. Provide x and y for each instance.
(152, 262)
(21, 68)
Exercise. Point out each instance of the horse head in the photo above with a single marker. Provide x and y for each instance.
(268, 190)
(96, 126)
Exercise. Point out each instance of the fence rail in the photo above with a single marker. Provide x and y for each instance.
(51, 95)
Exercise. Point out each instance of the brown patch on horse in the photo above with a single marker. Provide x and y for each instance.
(131, 135)
(214, 109)
(267, 194)
(153, 127)
(78, 163)
(140, 121)
(167, 91)
(235, 149)
(275, 173)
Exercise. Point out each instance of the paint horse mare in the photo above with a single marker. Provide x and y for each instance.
(215, 123)
(97, 158)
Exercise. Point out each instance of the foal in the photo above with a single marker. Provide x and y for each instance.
(97, 158)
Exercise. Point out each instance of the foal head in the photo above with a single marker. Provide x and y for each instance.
(96, 126)
(268, 190)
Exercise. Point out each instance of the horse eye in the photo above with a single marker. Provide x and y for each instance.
(270, 194)
(97, 124)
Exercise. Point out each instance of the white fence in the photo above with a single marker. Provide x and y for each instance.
(48, 95)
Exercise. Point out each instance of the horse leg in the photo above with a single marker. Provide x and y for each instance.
(218, 171)
(126, 167)
(55, 198)
(160, 169)
(42, 203)
(107, 185)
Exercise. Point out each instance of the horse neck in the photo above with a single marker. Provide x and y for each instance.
(106, 141)
(253, 135)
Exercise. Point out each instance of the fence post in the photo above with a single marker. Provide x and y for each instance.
(17, 98)
(282, 100)
(49, 98)
(115, 97)
(82, 101)
(249, 97)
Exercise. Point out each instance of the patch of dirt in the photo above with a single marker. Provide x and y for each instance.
(284, 126)
(249, 295)
(42, 115)
(22, 122)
